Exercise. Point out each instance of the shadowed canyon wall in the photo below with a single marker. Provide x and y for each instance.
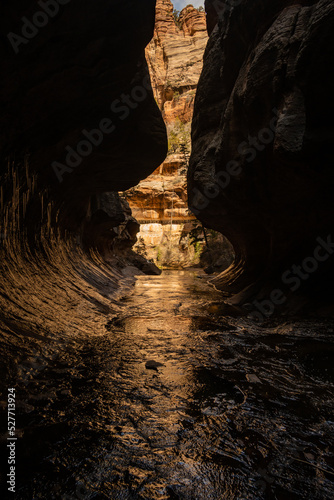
(78, 124)
(80, 108)
(261, 170)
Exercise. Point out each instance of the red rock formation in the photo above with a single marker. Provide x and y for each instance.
(163, 194)
(175, 61)
(193, 22)
(261, 170)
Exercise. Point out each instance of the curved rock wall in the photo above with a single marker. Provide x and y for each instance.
(79, 122)
(261, 170)
(77, 97)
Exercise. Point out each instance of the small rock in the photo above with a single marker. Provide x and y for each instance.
(253, 379)
(151, 269)
(153, 365)
(131, 271)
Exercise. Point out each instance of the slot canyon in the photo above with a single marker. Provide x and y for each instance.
(166, 244)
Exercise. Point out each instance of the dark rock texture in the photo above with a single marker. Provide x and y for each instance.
(261, 170)
(63, 80)
(63, 245)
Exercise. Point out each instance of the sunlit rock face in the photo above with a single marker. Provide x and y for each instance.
(76, 97)
(175, 59)
(159, 202)
(163, 194)
(261, 170)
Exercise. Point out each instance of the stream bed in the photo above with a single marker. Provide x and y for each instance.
(181, 399)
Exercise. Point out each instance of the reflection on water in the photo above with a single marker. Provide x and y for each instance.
(177, 401)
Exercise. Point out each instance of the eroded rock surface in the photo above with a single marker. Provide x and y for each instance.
(175, 59)
(261, 170)
(75, 91)
(160, 202)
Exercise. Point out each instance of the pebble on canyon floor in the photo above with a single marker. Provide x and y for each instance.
(153, 365)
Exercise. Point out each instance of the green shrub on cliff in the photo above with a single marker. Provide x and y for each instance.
(179, 138)
(176, 15)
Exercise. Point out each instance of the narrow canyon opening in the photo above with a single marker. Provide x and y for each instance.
(170, 236)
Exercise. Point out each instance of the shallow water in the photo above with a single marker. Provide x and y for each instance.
(230, 410)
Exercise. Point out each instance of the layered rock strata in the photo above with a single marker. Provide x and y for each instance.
(159, 204)
(174, 58)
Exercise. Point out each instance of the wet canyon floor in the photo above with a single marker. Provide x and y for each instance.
(177, 400)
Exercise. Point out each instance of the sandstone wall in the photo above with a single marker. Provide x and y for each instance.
(174, 58)
(261, 170)
(80, 73)
(64, 241)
